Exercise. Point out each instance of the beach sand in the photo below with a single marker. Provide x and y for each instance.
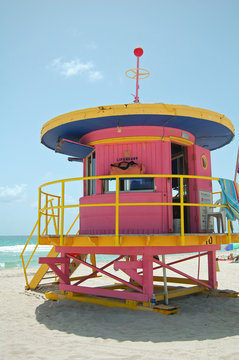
(32, 327)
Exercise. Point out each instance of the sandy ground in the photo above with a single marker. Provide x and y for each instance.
(205, 327)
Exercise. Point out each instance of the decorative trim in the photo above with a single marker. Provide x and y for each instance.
(128, 139)
(204, 162)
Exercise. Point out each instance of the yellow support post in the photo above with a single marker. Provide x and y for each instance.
(117, 212)
(58, 215)
(30, 236)
(229, 230)
(25, 273)
(39, 215)
(182, 212)
(40, 273)
(62, 212)
(46, 215)
(53, 216)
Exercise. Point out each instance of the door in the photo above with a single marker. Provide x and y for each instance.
(179, 160)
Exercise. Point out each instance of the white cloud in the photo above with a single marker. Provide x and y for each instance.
(76, 67)
(12, 194)
(95, 75)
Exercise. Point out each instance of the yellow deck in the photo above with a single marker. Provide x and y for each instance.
(139, 240)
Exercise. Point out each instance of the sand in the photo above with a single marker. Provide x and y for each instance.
(32, 327)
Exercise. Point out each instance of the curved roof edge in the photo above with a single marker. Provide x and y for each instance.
(135, 109)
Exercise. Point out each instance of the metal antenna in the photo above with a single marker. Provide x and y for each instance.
(137, 73)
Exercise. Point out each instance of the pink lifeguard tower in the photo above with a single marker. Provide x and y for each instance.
(147, 192)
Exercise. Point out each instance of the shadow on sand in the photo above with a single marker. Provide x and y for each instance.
(200, 317)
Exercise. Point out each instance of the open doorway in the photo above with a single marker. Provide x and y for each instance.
(179, 161)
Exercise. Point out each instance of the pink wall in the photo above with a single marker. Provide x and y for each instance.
(195, 167)
(156, 157)
(133, 131)
(132, 219)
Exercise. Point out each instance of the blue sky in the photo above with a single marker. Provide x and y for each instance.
(63, 55)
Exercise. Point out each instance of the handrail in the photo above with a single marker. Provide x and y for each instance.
(25, 266)
(101, 177)
(21, 256)
(61, 204)
(56, 227)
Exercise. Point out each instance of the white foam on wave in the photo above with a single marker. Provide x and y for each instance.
(19, 248)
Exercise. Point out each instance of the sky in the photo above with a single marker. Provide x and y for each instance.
(63, 55)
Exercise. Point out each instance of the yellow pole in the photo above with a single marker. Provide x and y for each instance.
(62, 211)
(39, 216)
(53, 216)
(25, 274)
(182, 211)
(229, 230)
(58, 215)
(93, 260)
(30, 236)
(46, 216)
(117, 212)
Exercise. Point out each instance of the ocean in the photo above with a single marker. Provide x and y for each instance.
(12, 246)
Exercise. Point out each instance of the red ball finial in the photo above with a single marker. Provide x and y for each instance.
(138, 51)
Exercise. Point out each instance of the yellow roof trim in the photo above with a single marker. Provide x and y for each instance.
(128, 139)
(140, 139)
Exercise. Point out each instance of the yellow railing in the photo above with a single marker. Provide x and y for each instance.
(48, 219)
(49, 198)
(61, 206)
(23, 251)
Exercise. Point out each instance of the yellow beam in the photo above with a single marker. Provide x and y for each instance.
(182, 240)
(128, 139)
(139, 240)
(128, 304)
(117, 240)
(178, 280)
(62, 212)
(180, 292)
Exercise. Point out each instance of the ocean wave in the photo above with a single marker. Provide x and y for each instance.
(19, 248)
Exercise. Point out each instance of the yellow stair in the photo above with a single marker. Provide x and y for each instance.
(41, 272)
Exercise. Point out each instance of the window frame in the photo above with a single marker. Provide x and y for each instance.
(90, 162)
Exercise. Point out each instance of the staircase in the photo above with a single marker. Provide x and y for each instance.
(44, 272)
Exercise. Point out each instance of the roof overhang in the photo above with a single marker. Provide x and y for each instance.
(73, 148)
(211, 130)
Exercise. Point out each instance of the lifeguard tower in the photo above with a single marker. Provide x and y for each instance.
(146, 192)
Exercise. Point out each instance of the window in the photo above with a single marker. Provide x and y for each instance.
(126, 185)
(204, 162)
(90, 171)
(141, 184)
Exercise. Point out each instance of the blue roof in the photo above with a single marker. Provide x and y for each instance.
(208, 134)
(72, 148)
